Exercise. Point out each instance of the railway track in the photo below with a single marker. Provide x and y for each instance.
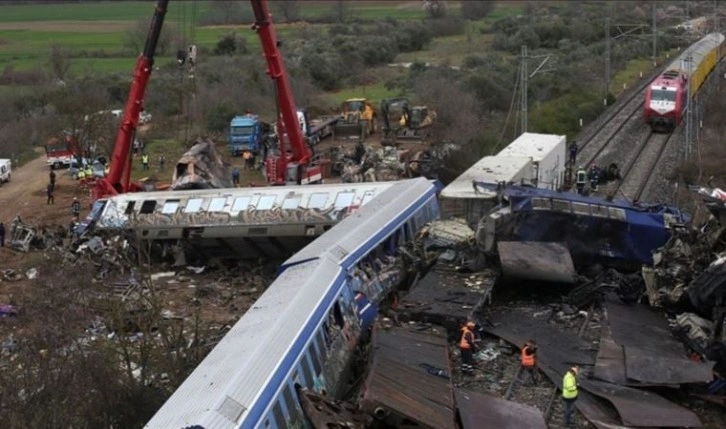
(612, 127)
(640, 169)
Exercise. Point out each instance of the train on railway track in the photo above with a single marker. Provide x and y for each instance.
(303, 331)
(667, 97)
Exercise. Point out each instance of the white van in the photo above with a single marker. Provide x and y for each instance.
(5, 168)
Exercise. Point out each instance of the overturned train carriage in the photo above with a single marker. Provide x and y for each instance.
(235, 222)
(304, 329)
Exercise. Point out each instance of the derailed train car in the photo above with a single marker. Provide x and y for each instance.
(304, 329)
(666, 98)
(269, 222)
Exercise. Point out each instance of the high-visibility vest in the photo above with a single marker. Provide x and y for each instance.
(569, 386)
(527, 360)
(467, 338)
(81, 174)
(145, 159)
(581, 176)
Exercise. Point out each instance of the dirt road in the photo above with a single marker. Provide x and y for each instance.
(25, 195)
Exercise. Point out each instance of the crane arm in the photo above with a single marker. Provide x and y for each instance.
(276, 69)
(118, 179)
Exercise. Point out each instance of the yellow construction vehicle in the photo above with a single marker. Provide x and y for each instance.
(358, 120)
(401, 121)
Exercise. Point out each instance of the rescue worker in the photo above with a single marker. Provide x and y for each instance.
(81, 175)
(466, 346)
(247, 156)
(89, 172)
(49, 191)
(529, 360)
(569, 392)
(145, 161)
(573, 153)
(52, 176)
(235, 176)
(76, 207)
(594, 177)
(580, 180)
(2, 235)
(162, 161)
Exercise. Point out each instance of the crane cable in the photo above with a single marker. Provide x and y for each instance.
(193, 105)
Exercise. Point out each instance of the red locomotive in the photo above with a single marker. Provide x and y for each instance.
(665, 100)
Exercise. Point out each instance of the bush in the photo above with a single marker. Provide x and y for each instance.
(476, 9)
(448, 26)
(217, 118)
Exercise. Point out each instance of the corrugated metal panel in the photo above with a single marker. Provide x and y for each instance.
(478, 410)
(399, 383)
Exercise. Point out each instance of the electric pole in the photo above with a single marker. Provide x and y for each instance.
(689, 109)
(655, 36)
(523, 92)
(607, 60)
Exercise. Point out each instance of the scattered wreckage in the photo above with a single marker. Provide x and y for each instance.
(365, 164)
(201, 167)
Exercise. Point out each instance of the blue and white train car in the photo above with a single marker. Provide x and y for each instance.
(304, 329)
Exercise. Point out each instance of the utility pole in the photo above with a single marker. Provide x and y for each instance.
(655, 36)
(523, 93)
(607, 60)
(689, 110)
(524, 78)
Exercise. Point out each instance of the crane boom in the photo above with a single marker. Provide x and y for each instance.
(118, 179)
(276, 69)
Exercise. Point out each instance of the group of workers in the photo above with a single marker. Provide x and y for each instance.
(582, 177)
(528, 360)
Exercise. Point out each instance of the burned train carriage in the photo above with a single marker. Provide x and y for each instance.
(304, 329)
(240, 222)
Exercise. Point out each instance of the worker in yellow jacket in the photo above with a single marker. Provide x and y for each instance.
(569, 392)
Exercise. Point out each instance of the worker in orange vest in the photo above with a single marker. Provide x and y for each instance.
(466, 346)
(529, 360)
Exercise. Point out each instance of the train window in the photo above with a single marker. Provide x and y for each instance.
(291, 203)
(344, 199)
(266, 202)
(217, 204)
(581, 208)
(315, 358)
(338, 315)
(561, 206)
(130, 207)
(317, 201)
(240, 204)
(599, 211)
(170, 207)
(367, 197)
(193, 205)
(148, 206)
(278, 416)
(616, 213)
(540, 204)
(320, 341)
(290, 400)
(307, 373)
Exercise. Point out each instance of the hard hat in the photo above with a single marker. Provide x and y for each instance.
(470, 324)
(75, 198)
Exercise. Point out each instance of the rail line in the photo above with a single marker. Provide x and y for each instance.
(638, 172)
(600, 135)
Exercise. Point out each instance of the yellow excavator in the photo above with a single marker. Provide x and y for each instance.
(358, 120)
(405, 122)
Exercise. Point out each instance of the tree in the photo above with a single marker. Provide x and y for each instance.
(341, 11)
(435, 8)
(135, 37)
(59, 61)
(477, 9)
(288, 9)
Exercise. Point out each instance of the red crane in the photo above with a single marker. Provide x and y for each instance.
(118, 179)
(295, 167)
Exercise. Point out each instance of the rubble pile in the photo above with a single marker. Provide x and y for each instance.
(366, 164)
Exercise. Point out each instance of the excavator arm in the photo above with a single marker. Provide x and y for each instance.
(118, 179)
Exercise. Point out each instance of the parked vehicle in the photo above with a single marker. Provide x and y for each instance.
(246, 133)
(5, 170)
(61, 151)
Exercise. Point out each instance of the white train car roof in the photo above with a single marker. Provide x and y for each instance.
(223, 390)
(233, 201)
(371, 223)
(534, 145)
(490, 169)
(697, 52)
